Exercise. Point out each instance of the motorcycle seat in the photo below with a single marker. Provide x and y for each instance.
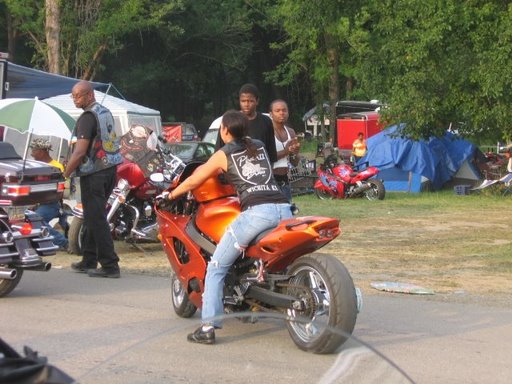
(260, 236)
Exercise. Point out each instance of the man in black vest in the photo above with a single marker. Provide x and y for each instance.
(94, 158)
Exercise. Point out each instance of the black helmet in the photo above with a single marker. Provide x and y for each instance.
(331, 161)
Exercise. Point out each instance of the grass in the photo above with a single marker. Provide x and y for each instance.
(439, 240)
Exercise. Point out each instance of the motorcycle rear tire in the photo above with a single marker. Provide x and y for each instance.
(76, 235)
(180, 301)
(333, 322)
(377, 190)
(7, 285)
(323, 195)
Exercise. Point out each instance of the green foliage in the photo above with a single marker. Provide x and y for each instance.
(92, 31)
(402, 205)
(312, 28)
(436, 63)
(88, 28)
(190, 72)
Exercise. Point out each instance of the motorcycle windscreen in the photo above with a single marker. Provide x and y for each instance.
(138, 145)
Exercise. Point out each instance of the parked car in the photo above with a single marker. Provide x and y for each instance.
(211, 135)
(176, 132)
(189, 151)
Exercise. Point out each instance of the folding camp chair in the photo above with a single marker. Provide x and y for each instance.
(507, 182)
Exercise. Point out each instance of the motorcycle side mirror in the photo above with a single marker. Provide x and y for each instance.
(157, 177)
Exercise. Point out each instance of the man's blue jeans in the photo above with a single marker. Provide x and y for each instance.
(49, 212)
(247, 226)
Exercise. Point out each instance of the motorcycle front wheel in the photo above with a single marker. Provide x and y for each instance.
(376, 191)
(322, 194)
(329, 304)
(7, 285)
(180, 302)
(76, 235)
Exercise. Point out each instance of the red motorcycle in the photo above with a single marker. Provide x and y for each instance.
(129, 208)
(341, 181)
(278, 273)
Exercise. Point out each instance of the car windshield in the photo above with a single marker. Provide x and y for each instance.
(211, 135)
(183, 150)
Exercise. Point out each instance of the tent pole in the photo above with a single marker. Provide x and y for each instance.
(60, 150)
(27, 144)
(110, 85)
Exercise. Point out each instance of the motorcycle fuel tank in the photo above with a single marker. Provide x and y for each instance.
(132, 173)
(213, 188)
(221, 213)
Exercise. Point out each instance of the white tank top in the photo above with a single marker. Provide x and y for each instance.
(283, 162)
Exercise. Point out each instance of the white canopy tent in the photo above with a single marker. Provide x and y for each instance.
(125, 112)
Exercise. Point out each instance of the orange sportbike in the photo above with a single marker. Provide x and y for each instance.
(278, 273)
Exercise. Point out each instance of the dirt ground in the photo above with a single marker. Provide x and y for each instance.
(414, 250)
(458, 258)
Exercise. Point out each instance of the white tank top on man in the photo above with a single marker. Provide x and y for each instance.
(280, 145)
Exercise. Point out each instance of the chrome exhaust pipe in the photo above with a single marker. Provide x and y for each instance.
(357, 191)
(44, 267)
(113, 208)
(149, 232)
(9, 274)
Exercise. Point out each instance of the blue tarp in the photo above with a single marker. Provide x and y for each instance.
(437, 159)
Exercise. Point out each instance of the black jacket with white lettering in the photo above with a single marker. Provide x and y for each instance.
(252, 177)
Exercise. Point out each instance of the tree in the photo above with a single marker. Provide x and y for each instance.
(74, 35)
(439, 63)
(317, 40)
(194, 69)
(95, 27)
(52, 29)
(22, 20)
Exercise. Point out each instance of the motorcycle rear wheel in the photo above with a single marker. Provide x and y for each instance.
(180, 302)
(76, 235)
(377, 190)
(7, 285)
(326, 289)
(323, 195)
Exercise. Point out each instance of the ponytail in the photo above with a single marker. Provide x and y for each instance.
(252, 149)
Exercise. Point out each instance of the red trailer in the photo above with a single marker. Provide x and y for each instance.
(350, 124)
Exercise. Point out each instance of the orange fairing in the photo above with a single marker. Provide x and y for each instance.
(183, 254)
(213, 188)
(221, 213)
(293, 238)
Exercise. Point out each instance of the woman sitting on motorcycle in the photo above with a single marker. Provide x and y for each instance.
(262, 205)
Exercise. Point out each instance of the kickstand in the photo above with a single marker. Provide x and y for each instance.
(135, 245)
(139, 247)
